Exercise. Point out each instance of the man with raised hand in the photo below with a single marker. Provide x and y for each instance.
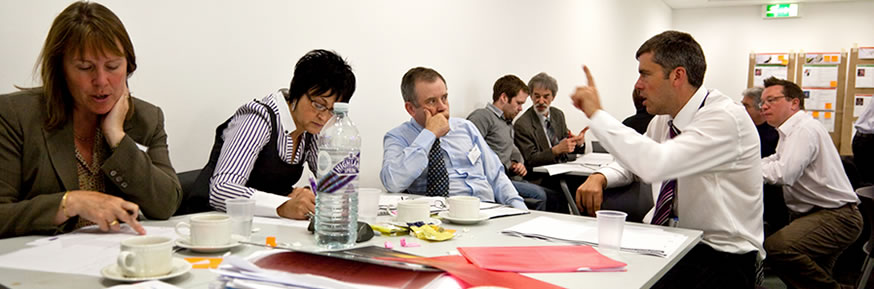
(700, 152)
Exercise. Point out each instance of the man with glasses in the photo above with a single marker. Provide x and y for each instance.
(433, 154)
(822, 204)
(700, 153)
(262, 151)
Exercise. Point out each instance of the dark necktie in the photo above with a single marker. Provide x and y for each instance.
(550, 133)
(665, 203)
(438, 178)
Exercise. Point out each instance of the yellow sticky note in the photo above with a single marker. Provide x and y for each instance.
(828, 105)
(833, 58)
(204, 263)
(785, 62)
(815, 114)
(828, 114)
(833, 83)
(782, 57)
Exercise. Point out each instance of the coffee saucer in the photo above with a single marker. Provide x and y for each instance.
(207, 248)
(113, 272)
(461, 221)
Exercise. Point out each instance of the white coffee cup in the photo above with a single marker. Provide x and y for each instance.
(146, 256)
(206, 230)
(411, 211)
(463, 207)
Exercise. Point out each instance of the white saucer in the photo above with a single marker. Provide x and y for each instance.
(445, 215)
(113, 272)
(207, 249)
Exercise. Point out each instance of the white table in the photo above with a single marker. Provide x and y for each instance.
(643, 271)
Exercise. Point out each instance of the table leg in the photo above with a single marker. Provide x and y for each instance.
(570, 197)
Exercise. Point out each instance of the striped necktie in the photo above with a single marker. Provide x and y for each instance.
(665, 203)
(438, 178)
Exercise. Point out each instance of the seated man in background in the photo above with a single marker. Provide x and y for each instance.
(543, 138)
(495, 123)
(640, 120)
(824, 217)
(863, 146)
(435, 155)
(776, 215)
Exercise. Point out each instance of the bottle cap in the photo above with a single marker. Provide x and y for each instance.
(341, 107)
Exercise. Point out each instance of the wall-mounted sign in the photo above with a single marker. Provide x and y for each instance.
(773, 11)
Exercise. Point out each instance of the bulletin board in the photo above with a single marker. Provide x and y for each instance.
(860, 92)
(822, 77)
(765, 65)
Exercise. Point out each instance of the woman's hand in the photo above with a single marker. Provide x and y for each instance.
(107, 211)
(302, 201)
(113, 122)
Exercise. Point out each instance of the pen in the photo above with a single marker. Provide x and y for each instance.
(313, 185)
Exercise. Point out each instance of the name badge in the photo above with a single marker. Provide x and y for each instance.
(474, 154)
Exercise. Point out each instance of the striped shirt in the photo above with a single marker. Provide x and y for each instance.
(247, 134)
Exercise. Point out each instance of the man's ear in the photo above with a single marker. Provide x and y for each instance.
(411, 109)
(678, 76)
(503, 98)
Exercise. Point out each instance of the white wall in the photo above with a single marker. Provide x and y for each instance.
(729, 34)
(200, 60)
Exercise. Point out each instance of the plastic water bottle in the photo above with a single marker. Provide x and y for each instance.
(336, 224)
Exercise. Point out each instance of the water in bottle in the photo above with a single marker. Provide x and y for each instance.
(336, 224)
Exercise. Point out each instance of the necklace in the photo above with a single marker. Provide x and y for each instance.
(79, 138)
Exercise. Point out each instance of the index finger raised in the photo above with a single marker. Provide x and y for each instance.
(589, 78)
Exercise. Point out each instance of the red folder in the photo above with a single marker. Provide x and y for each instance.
(471, 275)
(540, 259)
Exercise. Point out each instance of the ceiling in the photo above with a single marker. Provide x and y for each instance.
(679, 4)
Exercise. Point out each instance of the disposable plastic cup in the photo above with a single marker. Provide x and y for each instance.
(368, 203)
(610, 226)
(241, 212)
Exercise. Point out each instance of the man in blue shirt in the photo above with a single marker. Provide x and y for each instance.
(414, 151)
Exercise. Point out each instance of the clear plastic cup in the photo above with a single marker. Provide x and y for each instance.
(241, 212)
(610, 226)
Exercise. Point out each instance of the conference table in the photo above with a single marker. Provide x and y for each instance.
(642, 270)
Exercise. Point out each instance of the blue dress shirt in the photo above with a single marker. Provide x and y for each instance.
(405, 163)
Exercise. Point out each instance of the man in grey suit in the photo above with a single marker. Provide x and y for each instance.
(543, 138)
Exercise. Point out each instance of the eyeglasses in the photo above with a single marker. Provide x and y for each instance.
(772, 100)
(320, 108)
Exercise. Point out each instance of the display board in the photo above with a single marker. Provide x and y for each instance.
(822, 77)
(765, 65)
(860, 89)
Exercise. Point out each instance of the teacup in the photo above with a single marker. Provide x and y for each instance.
(463, 207)
(411, 211)
(146, 256)
(206, 230)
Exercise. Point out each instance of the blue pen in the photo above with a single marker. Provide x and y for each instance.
(313, 185)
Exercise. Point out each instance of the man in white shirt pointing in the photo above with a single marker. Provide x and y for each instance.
(700, 152)
(824, 218)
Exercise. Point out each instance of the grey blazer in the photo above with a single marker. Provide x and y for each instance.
(531, 138)
(37, 166)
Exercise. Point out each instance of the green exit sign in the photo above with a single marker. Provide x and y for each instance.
(773, 11)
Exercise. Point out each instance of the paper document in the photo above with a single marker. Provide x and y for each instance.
(864, 76)
(760, 73)
(83, 252)
(644, 240)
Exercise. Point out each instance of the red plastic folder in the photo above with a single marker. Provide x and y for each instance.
(540, 259)
(473, 276)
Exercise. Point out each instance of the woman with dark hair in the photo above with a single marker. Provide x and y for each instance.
(79, 150)
(260, 152)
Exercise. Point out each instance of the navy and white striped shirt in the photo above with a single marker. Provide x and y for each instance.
(247, 134)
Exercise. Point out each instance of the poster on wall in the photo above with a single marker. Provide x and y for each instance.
(865, 76)
(827, 118)
(761, 72)
(822, 58)
(820, 98)
(862, 101)
(866, 52)
(772, 58)
(819, 76)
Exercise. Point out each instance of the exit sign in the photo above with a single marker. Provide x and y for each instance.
(773, 11)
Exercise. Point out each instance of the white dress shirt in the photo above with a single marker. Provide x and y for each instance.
(808, 165)
(715, 160)
(865, 122)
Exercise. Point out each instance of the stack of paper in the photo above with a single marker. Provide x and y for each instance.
(643, 240)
